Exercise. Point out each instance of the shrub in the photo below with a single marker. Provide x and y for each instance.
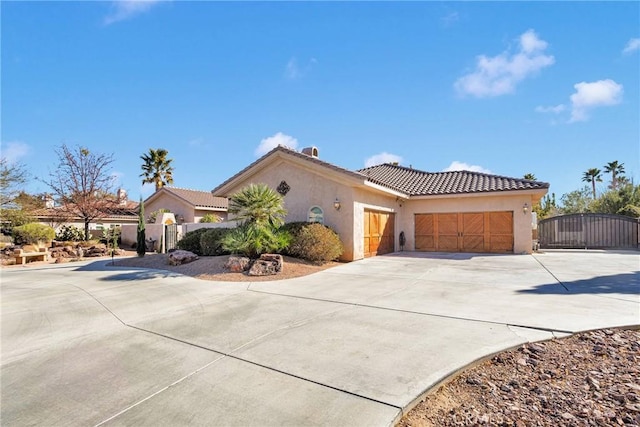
(314, 242)
(211, 241)
(210, 218)
(70, 233)
(33, 233)
(112, 237)
(191, 241)
(253, 240)
(154, 215)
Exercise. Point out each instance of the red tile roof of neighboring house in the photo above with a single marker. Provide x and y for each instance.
(419, 183)
(198, 198)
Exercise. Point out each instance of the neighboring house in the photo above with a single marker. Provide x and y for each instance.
(122, 211)
(187, 205)
(388, 208)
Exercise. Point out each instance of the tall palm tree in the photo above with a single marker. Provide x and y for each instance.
(530, 176)
(614, 168)
(592, 175)
(157, 168)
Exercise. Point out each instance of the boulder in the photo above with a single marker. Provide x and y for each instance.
(180, 257)
(237, 264)
(266, 265)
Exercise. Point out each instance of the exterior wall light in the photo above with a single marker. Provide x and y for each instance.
(336, 204)
(525, 208)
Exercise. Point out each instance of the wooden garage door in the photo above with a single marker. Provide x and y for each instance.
(465, 232)
(378, 233)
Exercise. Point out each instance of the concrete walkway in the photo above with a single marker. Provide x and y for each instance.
(90, 344)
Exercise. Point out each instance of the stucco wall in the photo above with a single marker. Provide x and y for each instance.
(521, 222)
(308, 189)
(176, 206)
(180, 208)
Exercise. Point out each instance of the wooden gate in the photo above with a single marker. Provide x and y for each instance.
(170, 237)
(588, 231)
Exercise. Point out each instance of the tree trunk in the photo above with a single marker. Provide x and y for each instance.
(86, 229)
(593, 185)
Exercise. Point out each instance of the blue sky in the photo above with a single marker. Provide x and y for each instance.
(550, 88)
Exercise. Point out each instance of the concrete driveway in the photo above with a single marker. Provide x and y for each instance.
(90, 344)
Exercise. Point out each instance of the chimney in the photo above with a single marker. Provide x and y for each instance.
(49, 203)
(310, 151)
(122, 197)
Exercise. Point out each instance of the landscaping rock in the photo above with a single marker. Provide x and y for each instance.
(237, 264)
(180, 257)
(266, 265)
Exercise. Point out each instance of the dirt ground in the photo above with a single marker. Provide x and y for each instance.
(589, 379)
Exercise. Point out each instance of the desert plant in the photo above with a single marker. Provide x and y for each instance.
(210, 218)
(191, 241)
(70, 233)
(314, 242)
(33, 233)
(112, 236)
(154, 215)
(211, 241)
(252, 240)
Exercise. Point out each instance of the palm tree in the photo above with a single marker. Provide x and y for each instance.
(259, 204)
(157, 168)
(530, 176)
(262, 213)
(592, 175)
(615, 169)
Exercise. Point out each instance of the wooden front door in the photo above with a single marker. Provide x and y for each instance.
(379, 236)
(464, 232)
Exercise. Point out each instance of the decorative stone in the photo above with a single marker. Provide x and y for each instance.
(266, 265)
(180, 257)
(237, 264)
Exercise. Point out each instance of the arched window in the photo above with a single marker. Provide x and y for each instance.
(316, 215)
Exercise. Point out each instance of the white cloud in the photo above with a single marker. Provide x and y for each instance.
(592, 95)
(14, 151)
(293, 71)
(632, 46)
(126, 9)
(556, 109)
(500, 74)
(450, 19)
(268, 144)
(381, 158)
(461, 166)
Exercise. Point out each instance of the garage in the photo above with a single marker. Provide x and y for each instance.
(465, 232)
(378, 233)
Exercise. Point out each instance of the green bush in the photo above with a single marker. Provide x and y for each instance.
(70, 233)
(191, 241)
(33, 233)
(211, 241)
(210, 218)
(313, 241)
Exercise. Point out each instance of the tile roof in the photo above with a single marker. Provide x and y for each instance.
(419, 183)
(199, 198)
(306, 157)
(414, 182)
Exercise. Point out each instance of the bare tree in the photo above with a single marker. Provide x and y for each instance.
(83, 184)
(12, 177)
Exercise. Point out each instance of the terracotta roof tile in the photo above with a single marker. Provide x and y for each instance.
(199, 198)
(419, 183)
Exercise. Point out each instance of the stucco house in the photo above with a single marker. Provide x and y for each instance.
(387, 208)
(187, 205)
